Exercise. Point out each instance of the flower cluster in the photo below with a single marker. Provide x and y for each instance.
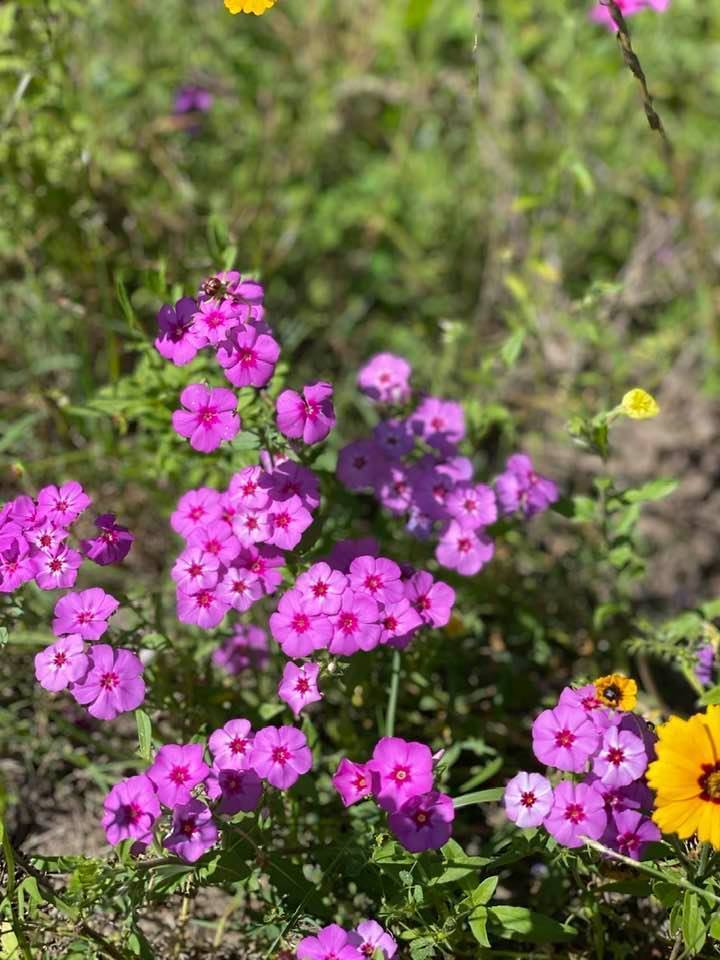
(245, 649)
(195, 793)
(592, 732)
(412, 465)
(601, 12)
(235, 539)
(33, 535)
(400, 778)
(368, 939)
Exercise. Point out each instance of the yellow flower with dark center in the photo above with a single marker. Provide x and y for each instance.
(258, 7)
(616, 691)
(639, 405)
(686, 776)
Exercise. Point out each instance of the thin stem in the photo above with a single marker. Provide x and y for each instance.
(705, 854)
(393, 695)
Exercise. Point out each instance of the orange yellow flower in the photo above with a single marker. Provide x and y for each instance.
(258, 7)
(616, 691)
(639, 405)
(686, 776)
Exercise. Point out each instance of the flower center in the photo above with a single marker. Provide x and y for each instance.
(247, 357)
(615, 755)
(110, 680)
(611, 695)
(196, 513)
(45, 540)
(564, 738)
(84, 616)
(320, 589)
(400, 774)
(239, 586)
(627, 842)
(373, 583)
(238, 745)
(300, 622)
(709, 782)
(55, 565)
(109, 536)
(464, 545)
(195, 570)
(423, 603)
(213, 546)
(249, 488)
(360, 463)
(470, 505)
(60, 658)
(391, 624)
(590, 702)
(179, 775)
(348, 622)
(527, 799)
(282, 520)
(360, 782)
(302, 685)
(280, 755)
(575, 812)
(189, 826)
(132, 812)
(203, 599)
(437, 423)
(61, 505)
(421, 818)
(208, 416)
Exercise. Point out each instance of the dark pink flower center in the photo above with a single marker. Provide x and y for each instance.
(195, 570)
(464, 545)
(247, 357)
(233, 782)
(207, 416)
(203, 599)
(300, 622)
(400, 774)
(109, 680)
(470, 505)
(575, 812)
(564, 738)
(311, 410)
(56, 566)
(61, 505)
(437, 423)
(60, 658)
(189, 826)
(628, 842)
(391, 624)
(367, 950)
(440, 492)
(213, 546)
(348, 622)
(45, 540)
(282, 520)
(249, 488)
(280, 755)
(359, 463)
(238, 745)
(196, 513)
(384, 377)
(302, 685)
(239, 586)
(360, 782)
(320, 589)
(179, 775)
(527, 799)
(615, 756)
(423, 603)
(251, 523)
(590, 703)
(84, 616)
(373, 583)
(421, 818)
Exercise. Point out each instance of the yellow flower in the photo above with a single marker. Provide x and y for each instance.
(639, 405)
(686, 776)
(257, 7)
(616, 691)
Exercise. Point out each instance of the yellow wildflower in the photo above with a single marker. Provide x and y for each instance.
(258, 7)
(639, 405)
(616, 691)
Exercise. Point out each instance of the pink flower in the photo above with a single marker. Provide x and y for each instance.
(621, 758)
(296, 629)
(196, 508)
(231, 745)
(248, 357)
(57, 568)
(177, 768)
(240, 589)
(194, 570)
(246, 489)
(398, 622)
(432, 599)
(251, 526)
(298, 686)
(111, 545)
(193, 831)
(61, 663)
(321, 588)
(85, 613)
(203, 607)
(378, 578)
(280, 755)
(632, 832)
(239, 790)
(564, 738)
(578, 811)
(353, 781)
(131, 809)
(63, 505)
(310, 416)
(440, 422)
(601, 12)
(384, 378)
(213, 320)
(263, 561)
(394, 488)
(521, 488)
(45, 536)
(246, 648)
(288, 521)
(331, 943)
(369, 937)
(464, 550)
(209, 417)
(355, 625)
(16, 565)
(113, 683)
(177, 341)
(361, 465)
(424, 821)
(528, 799)
(400, 770)
(472, 505)
(217, 540)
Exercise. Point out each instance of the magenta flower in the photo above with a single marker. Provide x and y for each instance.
(177, 768)
(472, 505)
(298, 686)
(331, 943)
(528, 799)
(131, 809)
(85, 613)
(44, 536)
(196, 508)
(441, 423)
(355, 626)
(251, 526)
(111, 545)
(398, 622)
(621, 758)
(290, 479)
(240, 589)
(247, 489)
(577, 811)
(248, 357)
(209, 416)
(231, 745)
(61, 663)
(16, 565)
(246, 648)
(378, 578)
(213, 320)
(369, 937)
(564, 738)
(395, 438)
(217, 540)
(63, 505)
(204, 607)
(322, 588)
(384, 378)
(632, 833)
(309, 417)
(298, 631)
(400, 770)
(177, 341)
(395, 489)
(353, 781)
(239, 790)
(521, 488)
(280, 755)
(432, 599)
(57, 568)
(635, 796)
(288, 521)
(600, 13)
(361, 465)
(194, 570)
(113, 683)
(424, 821)
(193, 831)
(466, 551)
(264, 562)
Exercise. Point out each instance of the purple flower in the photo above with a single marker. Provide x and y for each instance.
(231, 745)
(280, 755)
(384, 378)
(248, 357)
(621, 758)
(424, 822)
(310, 416)
(239, 790)
(288, 521)
(296, 629)
(177, 341)
(111, 545)
(464, 550)
(577, 811)
(246, 648)
(520, 488)
(298, 686)
(600, 13)
(370, 938)
(377, 578)
(113, 683)
(400, 770)
(353, 781)
(395, 489)
(85, 613)
(472, 505)
(192, 98)
(398, 622)
(290, 479)
(204, 608)
(441, 423)
(16, 564)
(432, 599)
(331, 943)
(193, 831)
(196, 508)
(564, 738)
(55, 569)
(635, 796)
(239, 588)
(395, 438)
(705, 666)
(61, 663)
(345, 551)
(355, 625)
(177, 768)
(632, 832)
(528, 799)
(209, 417)
(213, 320)
(63, 505)
(131, 809)
(361, 465)
(194, 570)
(322, 588)
(217, 540)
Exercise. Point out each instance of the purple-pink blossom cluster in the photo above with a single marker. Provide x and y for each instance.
(333, 942)
(607, 799)
(399, 776)
(412, 465)
(195, 793)
(601, 11)
(33, 535)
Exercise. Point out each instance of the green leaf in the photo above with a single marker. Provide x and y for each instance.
(694, 927)
(481, 796)
(417, 13)
(519, 923)
(510, 350)
(144, 729)
(484, 891)
(654, 490)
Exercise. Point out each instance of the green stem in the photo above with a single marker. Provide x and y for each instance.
(705, 854)
(480, 796)
(393, 695)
